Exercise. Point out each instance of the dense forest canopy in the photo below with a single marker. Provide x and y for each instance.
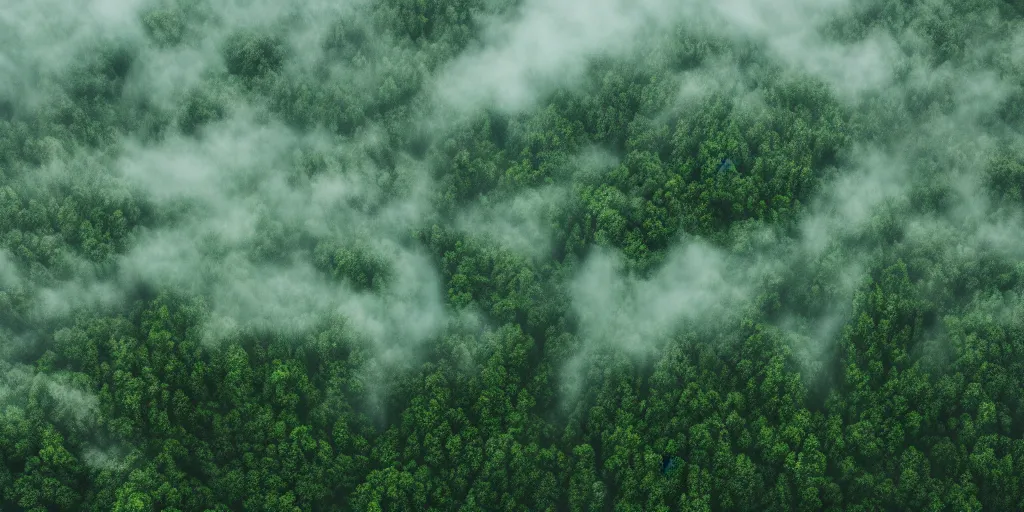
(518, 255)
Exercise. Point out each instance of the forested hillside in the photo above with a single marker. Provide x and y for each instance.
(511, 255)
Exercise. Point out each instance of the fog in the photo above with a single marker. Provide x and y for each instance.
(253, 210)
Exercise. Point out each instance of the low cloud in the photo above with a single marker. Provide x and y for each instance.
(547, 44)
(68, 400)
(239, 212)
(40, 39)
(10, 277)
(697, 284)
(522, 224)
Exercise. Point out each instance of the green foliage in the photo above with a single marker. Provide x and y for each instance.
(915, 404)
(251, 55)
(1005, 177)
(199, 109)
(363, 267)
(165, 26)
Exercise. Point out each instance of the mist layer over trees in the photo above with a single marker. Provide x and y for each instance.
(533, 255)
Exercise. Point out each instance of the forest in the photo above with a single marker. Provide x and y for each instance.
(512, 255)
